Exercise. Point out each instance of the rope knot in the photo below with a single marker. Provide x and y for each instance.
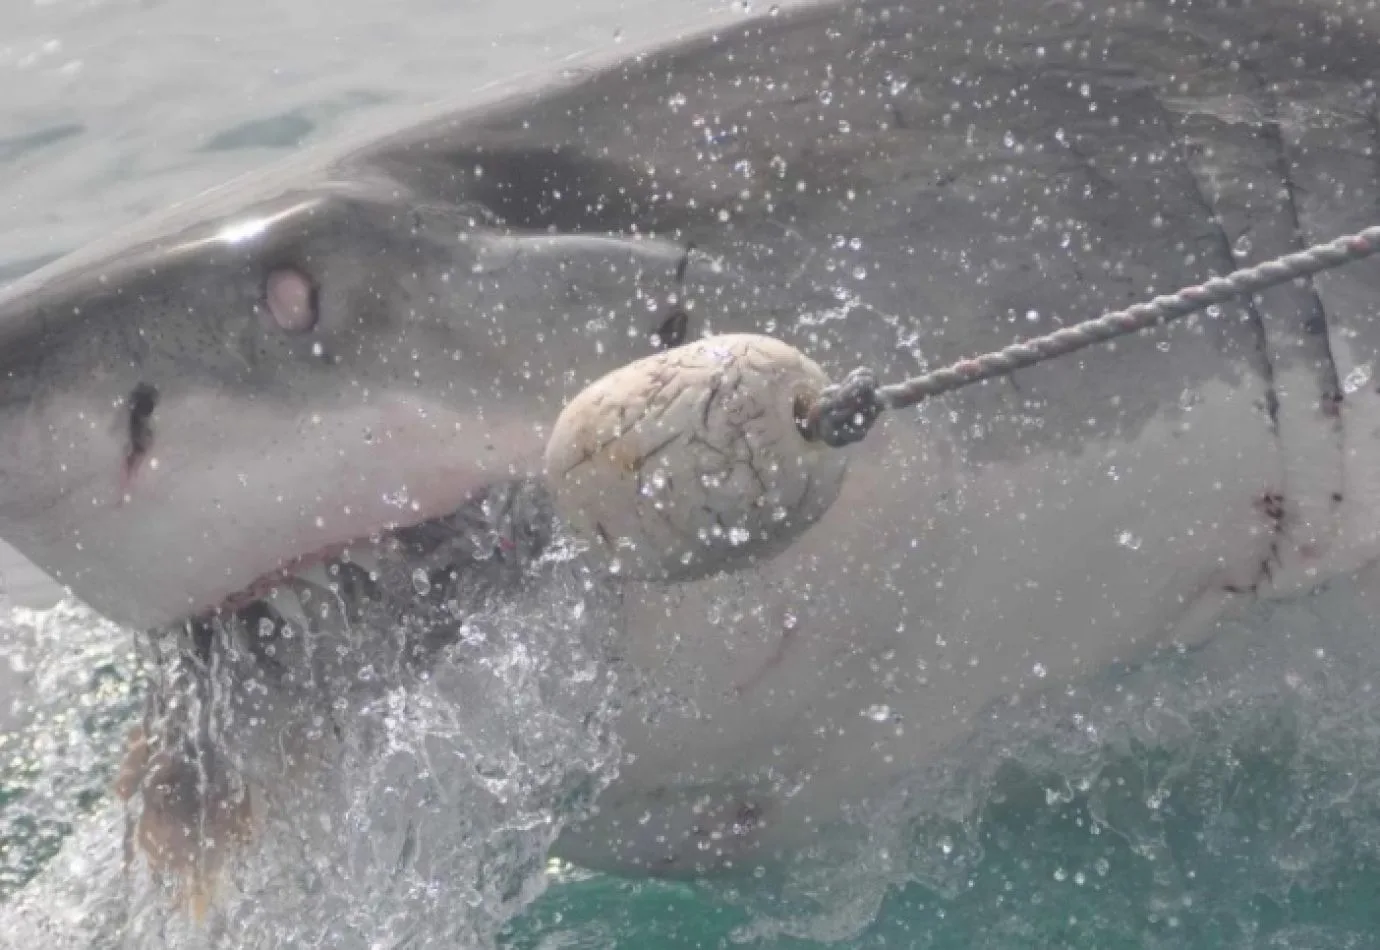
(844, 412)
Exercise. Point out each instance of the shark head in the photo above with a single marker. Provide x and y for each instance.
(264, 378)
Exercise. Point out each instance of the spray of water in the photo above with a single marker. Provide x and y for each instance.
(405, 779)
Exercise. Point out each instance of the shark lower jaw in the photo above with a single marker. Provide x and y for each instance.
(404, 562)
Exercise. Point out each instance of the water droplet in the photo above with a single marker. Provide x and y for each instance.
(738, 536)
(1357, 378)
(1101, 866)
(1243, 245)
(1039, 670)
(1128, 540)
(1032, 315)
(878, 713)
(421, 583)
(1060, 874)
(711, 480)
(946, 844)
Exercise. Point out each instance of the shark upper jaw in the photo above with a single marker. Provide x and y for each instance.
(303, 556)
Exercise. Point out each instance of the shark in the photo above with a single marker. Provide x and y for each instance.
(314, 379)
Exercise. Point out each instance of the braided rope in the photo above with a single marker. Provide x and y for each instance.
(843, 413)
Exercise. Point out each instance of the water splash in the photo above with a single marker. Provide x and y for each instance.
(83, 686)
(413, 807)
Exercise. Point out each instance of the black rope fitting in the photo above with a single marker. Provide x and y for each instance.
(844, 412)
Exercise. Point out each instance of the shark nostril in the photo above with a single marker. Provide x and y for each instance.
(291, 300)
(139, 405)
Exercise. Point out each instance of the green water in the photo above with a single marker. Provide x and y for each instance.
(1042, 875)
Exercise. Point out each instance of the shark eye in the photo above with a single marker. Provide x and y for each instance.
(290, 299)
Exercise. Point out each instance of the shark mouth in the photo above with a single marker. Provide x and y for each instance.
(426, 577)
(366, 620)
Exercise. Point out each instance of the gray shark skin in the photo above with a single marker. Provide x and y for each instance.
(366, 338)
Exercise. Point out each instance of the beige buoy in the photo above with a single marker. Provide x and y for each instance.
(690, 461)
